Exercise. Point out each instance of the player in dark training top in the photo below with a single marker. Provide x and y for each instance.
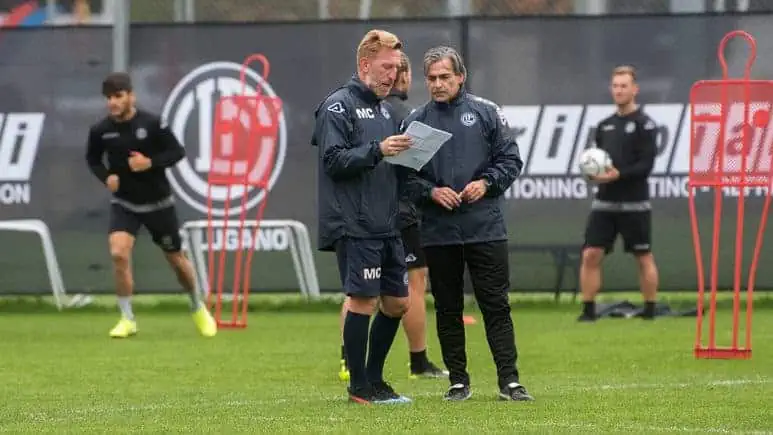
(137, 149)
(622, 203)
(415, 320)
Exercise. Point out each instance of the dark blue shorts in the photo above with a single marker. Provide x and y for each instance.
(372, 267)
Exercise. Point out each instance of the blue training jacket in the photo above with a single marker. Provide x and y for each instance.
(482, 147)
(357, 189)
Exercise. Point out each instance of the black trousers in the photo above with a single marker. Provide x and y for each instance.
(489, 271)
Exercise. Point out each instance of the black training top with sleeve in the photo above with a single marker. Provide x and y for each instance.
(357, 189)
(400, 107)
(631, 141)
(409, 214)
(482, 147)
(112, 142)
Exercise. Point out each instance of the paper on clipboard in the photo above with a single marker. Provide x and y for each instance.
(426, 142)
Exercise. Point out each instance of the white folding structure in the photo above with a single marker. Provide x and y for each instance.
(194, 234)
(52, 264)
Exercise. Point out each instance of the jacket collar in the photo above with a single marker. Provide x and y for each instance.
(362, 91)
(399, 94)
(457, 100)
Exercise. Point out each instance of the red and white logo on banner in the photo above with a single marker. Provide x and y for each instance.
(190, 114)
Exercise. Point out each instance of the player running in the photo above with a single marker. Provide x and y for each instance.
(138, 149)
(415, 320)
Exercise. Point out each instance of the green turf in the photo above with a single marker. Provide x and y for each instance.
(61, 374)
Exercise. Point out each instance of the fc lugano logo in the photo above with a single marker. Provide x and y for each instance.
(189, 113)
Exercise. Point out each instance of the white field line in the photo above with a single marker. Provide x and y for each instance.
(670, 386)
(631, 428)
(71, 415)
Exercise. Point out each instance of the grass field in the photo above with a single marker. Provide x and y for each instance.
(62, 374)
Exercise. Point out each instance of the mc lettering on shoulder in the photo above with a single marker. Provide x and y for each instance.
(552, 137)
(371, 273)
(19, 139)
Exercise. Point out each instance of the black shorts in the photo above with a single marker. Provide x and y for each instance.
(414, 254)
(162, 225)
(635, 227)
(372, 267)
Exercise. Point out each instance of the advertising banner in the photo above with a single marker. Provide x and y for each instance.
(549, 75)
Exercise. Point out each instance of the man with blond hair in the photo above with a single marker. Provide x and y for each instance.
(358, 207)
(415, 320)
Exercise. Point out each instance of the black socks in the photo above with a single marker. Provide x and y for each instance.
(382, 335)
(589, 309)
(418, 361)
(355, 347)
(649, 310)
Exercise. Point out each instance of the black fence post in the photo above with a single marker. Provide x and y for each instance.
(464, 37)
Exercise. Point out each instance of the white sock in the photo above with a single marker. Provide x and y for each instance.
(125, 304)
(194, 299)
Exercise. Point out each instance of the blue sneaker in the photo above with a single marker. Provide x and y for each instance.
(384, 394)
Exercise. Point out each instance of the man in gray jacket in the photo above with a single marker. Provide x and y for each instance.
(462, 222)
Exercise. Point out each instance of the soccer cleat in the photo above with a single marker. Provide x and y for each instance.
(429, 370)
(360, 395)
(343, 373)
(384, 394)
(458, 393)
(205, 322)
(125, 328)
(514, 391)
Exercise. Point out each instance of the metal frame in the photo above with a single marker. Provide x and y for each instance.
(300, 250)
(40, 228)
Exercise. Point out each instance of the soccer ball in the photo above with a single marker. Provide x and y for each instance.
(594, 161)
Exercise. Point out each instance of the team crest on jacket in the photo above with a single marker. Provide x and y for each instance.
(468, 119)
(141, 133)
(385, 112)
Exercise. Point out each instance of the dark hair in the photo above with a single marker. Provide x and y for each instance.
(115, 83)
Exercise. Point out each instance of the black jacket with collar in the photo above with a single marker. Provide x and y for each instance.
(482, 147)
(409, 215)
(398, 101)
(357, 189)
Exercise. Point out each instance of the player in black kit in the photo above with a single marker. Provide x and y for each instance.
(622, 205)
(138, 148)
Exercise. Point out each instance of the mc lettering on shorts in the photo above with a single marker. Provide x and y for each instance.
(371, 273)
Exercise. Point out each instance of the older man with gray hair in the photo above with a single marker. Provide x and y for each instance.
(460, 192)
